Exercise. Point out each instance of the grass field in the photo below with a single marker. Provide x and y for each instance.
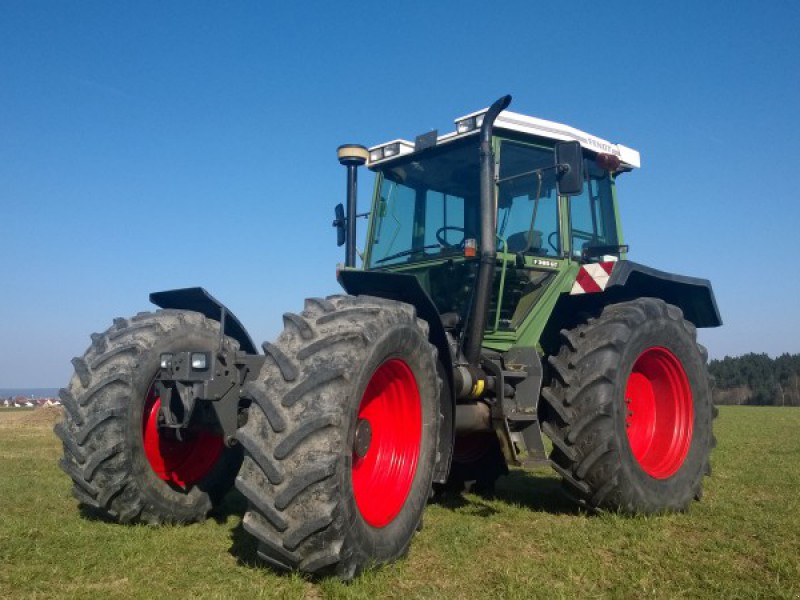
(742, 540)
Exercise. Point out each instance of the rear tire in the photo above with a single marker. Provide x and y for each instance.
(123, 466)
(328, 494)
(629, 409)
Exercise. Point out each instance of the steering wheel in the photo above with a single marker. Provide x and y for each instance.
(440, 236)
(552, 241)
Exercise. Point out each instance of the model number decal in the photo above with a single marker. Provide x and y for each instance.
(545, 263)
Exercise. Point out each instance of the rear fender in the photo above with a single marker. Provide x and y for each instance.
(627, 281)
(692, 295)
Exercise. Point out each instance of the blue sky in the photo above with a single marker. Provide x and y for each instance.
(152, 145)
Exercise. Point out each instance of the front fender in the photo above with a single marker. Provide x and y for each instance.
(199, 300)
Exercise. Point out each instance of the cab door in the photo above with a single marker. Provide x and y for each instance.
(529, 243)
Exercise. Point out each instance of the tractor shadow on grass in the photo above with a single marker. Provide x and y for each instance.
(529, 490)
(244, 548)
(234, 504)
(90, 513)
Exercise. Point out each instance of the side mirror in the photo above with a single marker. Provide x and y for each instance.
(339, 224)
(569, 168)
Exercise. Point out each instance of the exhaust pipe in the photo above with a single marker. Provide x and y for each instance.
(483, 289)
(473, 417)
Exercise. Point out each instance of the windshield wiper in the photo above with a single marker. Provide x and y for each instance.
(406, 253)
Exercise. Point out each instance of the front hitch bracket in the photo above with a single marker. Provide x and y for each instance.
(202, 387)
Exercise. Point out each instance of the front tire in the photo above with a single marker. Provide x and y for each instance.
(123, 466)
(340, 441)
(629, 409)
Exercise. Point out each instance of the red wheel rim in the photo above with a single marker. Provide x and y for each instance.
(660, 413)
(183, 462)
(384, 472)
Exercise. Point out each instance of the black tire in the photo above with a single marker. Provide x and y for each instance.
(102, 430)
(585, 412)
(297, 473)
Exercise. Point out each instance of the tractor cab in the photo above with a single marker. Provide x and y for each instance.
(425, 216)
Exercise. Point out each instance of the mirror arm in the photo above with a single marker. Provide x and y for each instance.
(532, 172)
(343, 221)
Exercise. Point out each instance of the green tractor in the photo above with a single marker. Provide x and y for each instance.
(495, 305)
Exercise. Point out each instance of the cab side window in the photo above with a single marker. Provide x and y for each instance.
(591, 214)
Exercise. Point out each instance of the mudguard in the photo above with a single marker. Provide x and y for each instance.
(694, 296)
(626, 280)
(199, 300)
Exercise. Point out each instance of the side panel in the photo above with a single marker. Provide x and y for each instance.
(529, 331)
(199, 300)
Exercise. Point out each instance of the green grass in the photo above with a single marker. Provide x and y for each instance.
(741, 540)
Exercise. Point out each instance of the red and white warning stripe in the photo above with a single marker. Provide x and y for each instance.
(592, 278)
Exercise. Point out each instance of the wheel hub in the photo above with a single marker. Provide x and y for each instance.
(363, 438)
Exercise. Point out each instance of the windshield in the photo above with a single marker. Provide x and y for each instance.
(427, 206)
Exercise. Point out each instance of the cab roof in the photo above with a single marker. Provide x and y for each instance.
(470, 124)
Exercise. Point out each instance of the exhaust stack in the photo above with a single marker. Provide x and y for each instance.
(483, 289)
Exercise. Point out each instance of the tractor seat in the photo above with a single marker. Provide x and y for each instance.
(518, 242)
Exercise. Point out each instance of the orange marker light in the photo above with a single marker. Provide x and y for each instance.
(607, 162)
(470, 247)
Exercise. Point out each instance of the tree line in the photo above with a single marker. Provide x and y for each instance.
(756, 379)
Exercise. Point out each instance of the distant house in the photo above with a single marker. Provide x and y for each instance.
(31, 402)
